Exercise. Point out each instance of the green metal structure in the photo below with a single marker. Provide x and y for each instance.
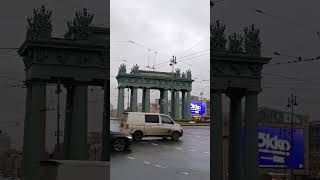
(164, 82)
(77, 61)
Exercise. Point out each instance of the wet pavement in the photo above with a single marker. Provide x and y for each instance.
(158, 159)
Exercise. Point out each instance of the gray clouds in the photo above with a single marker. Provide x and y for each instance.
(176, 27)
(288, 27)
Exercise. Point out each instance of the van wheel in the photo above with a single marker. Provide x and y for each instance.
(175, 136)
(137, 136)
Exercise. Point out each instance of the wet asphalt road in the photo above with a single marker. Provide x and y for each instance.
(157, 159)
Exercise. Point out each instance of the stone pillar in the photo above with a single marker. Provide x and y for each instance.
(146, 100)
(216, 137)
(120, 106)
(134, 100)
(105, 149)
(183, 103)
(34, 131)
(177, 105)
(235, 135)
(164, 101)
(251, 136)
(188, 109)
(78, 133)
(68, 122)
(173, 97)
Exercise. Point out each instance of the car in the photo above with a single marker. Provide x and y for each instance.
(119, 141)
(141, 124)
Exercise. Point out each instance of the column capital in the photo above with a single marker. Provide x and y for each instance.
(248, 92)
(30, 82)
(235, 92)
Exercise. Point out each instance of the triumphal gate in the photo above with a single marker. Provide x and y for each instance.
(235, 72)
(77, 61)
(175, 82)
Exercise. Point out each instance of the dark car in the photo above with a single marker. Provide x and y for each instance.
(120, 141)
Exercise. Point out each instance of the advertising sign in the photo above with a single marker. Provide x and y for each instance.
(275, 149)
(198, 108)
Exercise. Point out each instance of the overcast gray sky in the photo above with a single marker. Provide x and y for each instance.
(168, 27)
(289, 27)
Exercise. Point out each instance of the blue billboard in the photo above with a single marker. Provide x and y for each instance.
(275, 149)
(198, 108)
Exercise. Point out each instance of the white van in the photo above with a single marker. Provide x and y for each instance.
(150, 124)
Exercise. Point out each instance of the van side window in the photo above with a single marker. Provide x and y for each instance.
(152, 118)
(166, 120)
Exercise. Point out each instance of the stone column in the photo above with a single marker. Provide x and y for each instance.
(235, 129)
(34, 131)
(120, 106)
(251, 136)
(164, 101)
(177, 105)
(216, 136)
(188, 109)
(134, 100)
(105, 149)
(173, 97)
(68, 122)
(146, 100)
(183, 103)
(78, 133)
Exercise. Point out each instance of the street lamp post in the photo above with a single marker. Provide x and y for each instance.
(173, 62)
(292, 101)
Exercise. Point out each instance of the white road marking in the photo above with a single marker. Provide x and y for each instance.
(131, 158)
(146, 162)
(178, 148)
(192, 150)
(154, 144)
(156, 165)
(185, 173)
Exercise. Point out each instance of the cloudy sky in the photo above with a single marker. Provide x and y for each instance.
(290, 28)
(167, 28)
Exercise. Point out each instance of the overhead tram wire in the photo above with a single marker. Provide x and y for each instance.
(164, 62)
(299, 60)
(311, 29)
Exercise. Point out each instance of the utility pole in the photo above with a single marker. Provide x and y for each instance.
(173, 62)
(292, 101)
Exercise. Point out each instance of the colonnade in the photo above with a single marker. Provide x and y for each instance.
(242, 136)
(75, 132)
(176, 111)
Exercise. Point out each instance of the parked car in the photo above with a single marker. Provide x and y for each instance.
(120, 141)
(150, 124)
